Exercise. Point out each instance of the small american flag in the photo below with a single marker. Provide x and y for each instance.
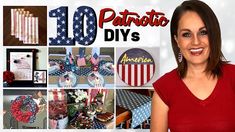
(95, 59)
(81, 61)
(95, 55)
(71, 59)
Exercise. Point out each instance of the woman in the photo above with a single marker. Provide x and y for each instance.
(199, 95)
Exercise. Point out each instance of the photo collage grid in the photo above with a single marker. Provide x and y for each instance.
(71, 87)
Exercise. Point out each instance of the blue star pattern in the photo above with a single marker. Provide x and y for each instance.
(139, 105)
(62, 27)
(91, 25)
(97, 125)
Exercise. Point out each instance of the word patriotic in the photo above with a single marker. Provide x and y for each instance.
(135, 67)
(126, 18)
(24, 26)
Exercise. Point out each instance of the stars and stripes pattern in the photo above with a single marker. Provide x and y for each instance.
(81, 61)
(136, 74)
(57, 94)
(81, 37)
(62, 27)
(71, 59)
(95, 55)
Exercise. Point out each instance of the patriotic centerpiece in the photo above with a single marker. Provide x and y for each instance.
(94, 78)
(24, 109)
(86, 67)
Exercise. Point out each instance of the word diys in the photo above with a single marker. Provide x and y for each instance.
(86, 36)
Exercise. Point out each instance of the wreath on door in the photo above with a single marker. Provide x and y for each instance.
(24, 109)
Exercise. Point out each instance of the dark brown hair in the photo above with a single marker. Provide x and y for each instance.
(216, 58)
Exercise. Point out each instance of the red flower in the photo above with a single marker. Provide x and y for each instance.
(8, 76)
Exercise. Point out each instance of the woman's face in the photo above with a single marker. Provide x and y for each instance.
(192, 39)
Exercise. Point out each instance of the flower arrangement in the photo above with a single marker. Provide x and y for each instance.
(28, 115)
(8, 77)
(78, 95)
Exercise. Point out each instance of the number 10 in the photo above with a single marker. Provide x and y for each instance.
(62, 38)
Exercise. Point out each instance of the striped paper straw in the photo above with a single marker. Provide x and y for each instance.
(22, 25)
(30, 28)
(34, 30)
(17, 24)
(13, 15)
(26, 28)
(19, 34)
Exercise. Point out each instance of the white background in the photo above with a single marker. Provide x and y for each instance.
(150, 37)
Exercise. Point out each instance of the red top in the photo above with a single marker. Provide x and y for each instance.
(187, 113)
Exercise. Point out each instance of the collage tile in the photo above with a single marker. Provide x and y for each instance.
(71, 87)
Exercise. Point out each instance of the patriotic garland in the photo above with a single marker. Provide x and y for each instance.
(27, 103)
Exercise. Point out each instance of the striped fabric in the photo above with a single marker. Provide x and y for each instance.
(136, 74)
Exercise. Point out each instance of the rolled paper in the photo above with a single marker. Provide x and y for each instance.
(33, 30)
(30, 28)
(26, 28)
(13, 15)
(17, 24)
(21, 9)
(22, 25)
(36, 31)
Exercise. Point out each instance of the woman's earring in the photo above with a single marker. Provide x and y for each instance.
(180, 57)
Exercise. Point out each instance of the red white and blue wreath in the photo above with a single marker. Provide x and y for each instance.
(24, 109)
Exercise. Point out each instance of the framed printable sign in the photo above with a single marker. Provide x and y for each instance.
(40, 77)
(22, 63)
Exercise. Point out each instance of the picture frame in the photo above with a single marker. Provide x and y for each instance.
(22, 63)
(40, 77)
